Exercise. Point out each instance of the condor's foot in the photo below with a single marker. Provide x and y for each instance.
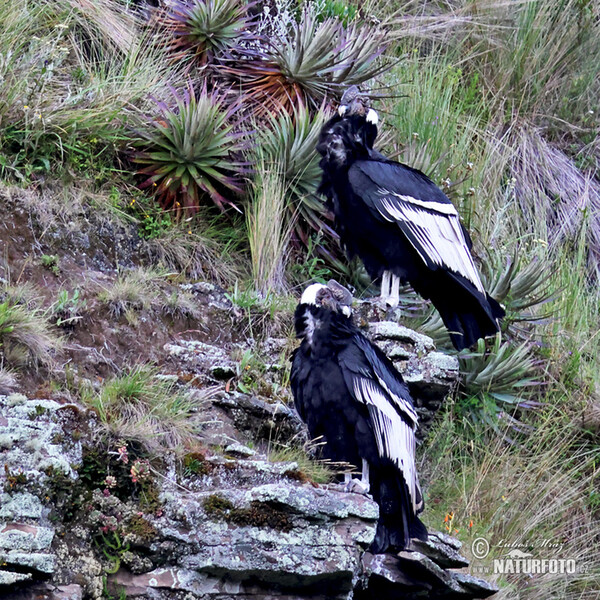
(358, 486)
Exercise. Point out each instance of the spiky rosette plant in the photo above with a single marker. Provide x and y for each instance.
(521, 288)
(206, 27)
(498, 380)
(498, 377)
(188, 152)
(359, 48)
(289, 146)
(315, 61)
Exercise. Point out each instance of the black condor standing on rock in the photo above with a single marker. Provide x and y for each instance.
(401, 225)
(348, 392)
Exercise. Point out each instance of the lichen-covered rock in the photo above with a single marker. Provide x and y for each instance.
(389, 330)
(30, 438)
(20, 505)
(441, 548)
(36, 562)
(236, 526)
(283, 535)
(210, 295)
(413, 575)
(32, 444)
(430, 375)
(237, 449)
(8, 578)
(212, 361)
(260, 419)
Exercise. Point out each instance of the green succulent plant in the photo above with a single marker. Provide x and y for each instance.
(188, 152)
(498, 369)
(359, 48)
(314, 61)
(497, 380)
(208, 27)
(289, 144)
(520, 287)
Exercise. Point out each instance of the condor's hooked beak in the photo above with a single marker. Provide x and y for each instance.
(353, 103)
(342, 295)
(339, 298)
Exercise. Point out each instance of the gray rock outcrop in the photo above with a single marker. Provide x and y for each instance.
(238, 527)
(227, 524)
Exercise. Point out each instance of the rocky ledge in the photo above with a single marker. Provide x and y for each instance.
(86, 516)
(236, 526)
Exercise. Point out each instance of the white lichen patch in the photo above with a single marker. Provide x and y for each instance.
(30, 539)
(36, 561)
(393, 331)
(34, 439)
(441, 364)
(20, 505)
(15, 400)
(8, 578)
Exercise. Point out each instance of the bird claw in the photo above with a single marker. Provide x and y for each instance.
(357, 486)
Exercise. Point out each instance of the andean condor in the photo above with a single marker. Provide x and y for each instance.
(401, 225)
(349, 393)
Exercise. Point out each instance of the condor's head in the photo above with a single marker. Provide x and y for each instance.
(320, 307)
(350, 134)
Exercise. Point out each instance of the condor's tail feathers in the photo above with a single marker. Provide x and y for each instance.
(467, 313)
(398, 522)
(392, 536)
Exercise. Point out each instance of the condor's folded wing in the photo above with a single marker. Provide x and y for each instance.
(373, 382)
(399, 194)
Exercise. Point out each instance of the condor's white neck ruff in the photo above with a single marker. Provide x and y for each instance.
(371, 117)
(310, 294)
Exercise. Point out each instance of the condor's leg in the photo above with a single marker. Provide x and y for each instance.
(358, 486)
(394, 296)
(385, 287)
(364, 479)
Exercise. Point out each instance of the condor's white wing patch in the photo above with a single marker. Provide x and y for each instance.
(434, 230)
(395, 435)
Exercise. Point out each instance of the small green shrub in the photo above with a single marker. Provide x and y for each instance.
(26, 335)
(132, 291)
(51, 262)
(67, 308)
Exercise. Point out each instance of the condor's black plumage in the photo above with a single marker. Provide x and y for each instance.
(402, 226)
(347, 391)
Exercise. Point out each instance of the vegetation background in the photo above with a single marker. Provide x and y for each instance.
(195, 123)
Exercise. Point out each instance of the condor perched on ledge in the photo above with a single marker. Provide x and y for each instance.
(401, 225)
(349, 393)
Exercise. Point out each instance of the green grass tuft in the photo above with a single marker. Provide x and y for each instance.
(26, 336)
(140, 406)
